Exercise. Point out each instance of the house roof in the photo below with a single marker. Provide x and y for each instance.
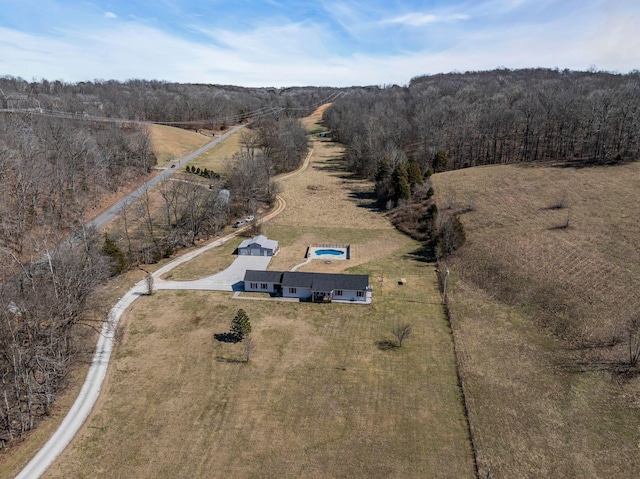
(262, 241)
(325, 281)
(263, 276)
(322, 282)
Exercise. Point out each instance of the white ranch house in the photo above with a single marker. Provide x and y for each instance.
(258, 246)
(315, 287)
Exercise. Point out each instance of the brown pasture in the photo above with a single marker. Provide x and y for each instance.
(540, 307)
(170, 143)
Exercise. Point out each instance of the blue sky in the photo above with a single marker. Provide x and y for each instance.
(299, 42)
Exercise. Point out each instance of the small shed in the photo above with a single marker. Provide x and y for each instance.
(258, 246)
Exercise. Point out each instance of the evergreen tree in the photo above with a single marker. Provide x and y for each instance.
(240, 324)
(118, 258)
(383, 170)
(430, 192)
(440, 161)
(400, 181)
(414, 172)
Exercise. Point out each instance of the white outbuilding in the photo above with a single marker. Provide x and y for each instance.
(258, 246)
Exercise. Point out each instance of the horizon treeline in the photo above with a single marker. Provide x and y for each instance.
(160, 101)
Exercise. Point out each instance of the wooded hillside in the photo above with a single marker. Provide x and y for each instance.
(499, 116)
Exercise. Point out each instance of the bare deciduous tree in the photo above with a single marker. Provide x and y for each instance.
(149, 282)
(401, 333)
(249, 348)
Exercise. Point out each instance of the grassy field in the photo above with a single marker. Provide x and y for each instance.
(214, 158)
(321, 397)
(170, 143)
(539, 316)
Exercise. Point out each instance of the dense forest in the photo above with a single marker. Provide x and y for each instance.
(499, 116)
(157, 101)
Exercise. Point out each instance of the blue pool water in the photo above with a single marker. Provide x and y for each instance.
(332, 252)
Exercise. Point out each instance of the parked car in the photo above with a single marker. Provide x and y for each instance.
(249, 219)
(239, 224)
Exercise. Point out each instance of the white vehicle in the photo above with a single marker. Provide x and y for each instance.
(249, 219)
(239, 224)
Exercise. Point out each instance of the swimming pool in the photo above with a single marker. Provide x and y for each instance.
(328, 251)
(331, 252)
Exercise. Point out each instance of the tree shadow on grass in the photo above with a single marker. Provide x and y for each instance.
(425, 254)
(386, 345)
(366, 200)
(222, 359)
(226, 337)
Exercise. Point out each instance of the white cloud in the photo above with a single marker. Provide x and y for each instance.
(422, 19)
(110, 15)
(300, 53)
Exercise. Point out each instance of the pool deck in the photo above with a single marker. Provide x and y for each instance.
(342, 250)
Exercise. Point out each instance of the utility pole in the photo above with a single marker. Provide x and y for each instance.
(444, 287)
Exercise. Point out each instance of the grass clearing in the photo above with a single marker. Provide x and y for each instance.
(319, 398)
(535, 308)
(170, 143)
(215, 157)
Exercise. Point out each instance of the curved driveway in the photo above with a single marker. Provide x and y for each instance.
(98, 370)
(228, 280)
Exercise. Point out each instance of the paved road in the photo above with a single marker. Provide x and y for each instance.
(106, 216)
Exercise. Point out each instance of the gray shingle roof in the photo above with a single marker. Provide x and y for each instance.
(323, 282)
(263, 276)
(261, 241)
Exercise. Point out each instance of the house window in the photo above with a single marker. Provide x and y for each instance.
(253, 286)
(264, 286)
(292, 290)
(360, 294)
(338, 292)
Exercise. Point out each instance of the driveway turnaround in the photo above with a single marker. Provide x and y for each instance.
(231, 279)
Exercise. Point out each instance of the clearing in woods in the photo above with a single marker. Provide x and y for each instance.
(321, 397)
(170, 143)
(541, 295)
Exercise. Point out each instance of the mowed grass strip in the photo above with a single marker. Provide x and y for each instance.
(318, 399)
(215, 158)
(535, 307)
(171, 143)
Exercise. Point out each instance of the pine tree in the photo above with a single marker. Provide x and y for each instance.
(401, 187)
(414, 172)
(383, 170)
(240, 324)
(118, 258)
(440, 161)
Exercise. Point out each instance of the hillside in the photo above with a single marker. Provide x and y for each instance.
(542, 297)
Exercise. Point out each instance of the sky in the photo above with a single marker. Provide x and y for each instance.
(279, 43)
